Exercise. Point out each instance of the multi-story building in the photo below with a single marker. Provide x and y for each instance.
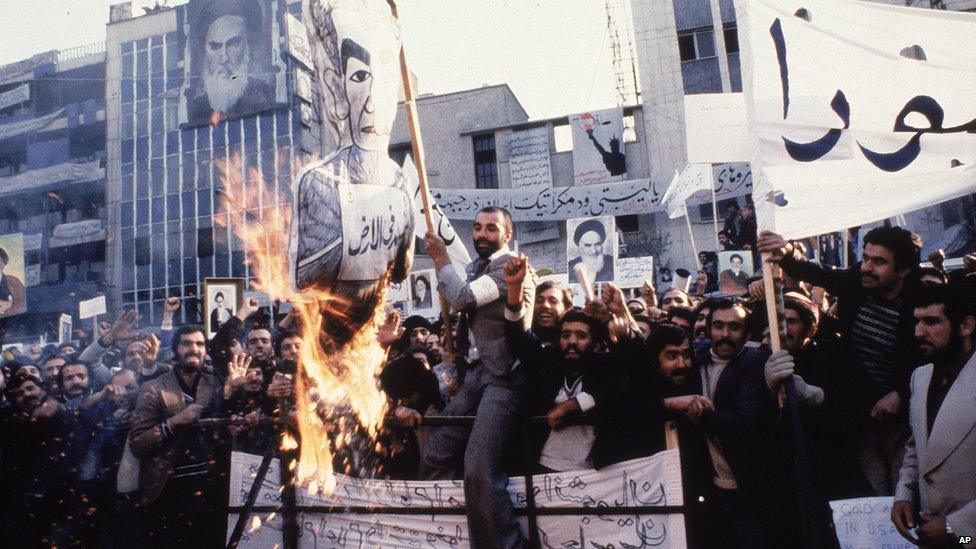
(165, 177)
(52, 180)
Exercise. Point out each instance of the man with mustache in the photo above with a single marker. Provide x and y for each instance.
(493, 386)
(739, 505)
(875, 300)
(935, 490)
(177, 476)
(38, 464)
(75, 384)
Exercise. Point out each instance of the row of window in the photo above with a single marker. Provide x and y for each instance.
(700, 43)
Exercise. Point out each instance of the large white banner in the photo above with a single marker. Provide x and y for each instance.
(598, 146)
(528, 158)
(442, 225)
(856, 110)
(692, 179)
(651, 481)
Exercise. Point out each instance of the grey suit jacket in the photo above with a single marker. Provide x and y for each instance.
(938, 474)
(486, 296)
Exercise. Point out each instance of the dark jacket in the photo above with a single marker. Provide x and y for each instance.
(846, 285)
(742, 420)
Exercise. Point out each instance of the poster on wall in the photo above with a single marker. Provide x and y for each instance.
(13, 296)
(598, 146)
(592, 242)
(234, 63)
(528, 158)
(221, 299)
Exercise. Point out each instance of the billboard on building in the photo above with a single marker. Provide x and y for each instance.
(13, 296)
(598, 146)
(233, 60)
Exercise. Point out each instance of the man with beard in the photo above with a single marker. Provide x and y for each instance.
(936, 491)
(246, 400)
(551, 301)
(118, 335)
(177, 480)
(590, 238)
(675, 297)
(731, 376)
(38, 465)
(227, 59)
(140, 357)
(51, 372)
(492, 390)
(875, 301)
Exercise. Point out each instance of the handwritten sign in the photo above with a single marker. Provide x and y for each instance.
(865, 523)
(716, 129)
(633, 271)
(298, 41)
(528, 158)
(694, 178)
(651, 481)
(91, 307)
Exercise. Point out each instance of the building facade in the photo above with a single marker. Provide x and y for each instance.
(166, 176)
(52, 181)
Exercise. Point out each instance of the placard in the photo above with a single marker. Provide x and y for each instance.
(528, 158)
(632, 272)
(592, 242)
(92, 307)
(424, 299)
(865, 523)
(221, 299)
(599, 154)
(64, 328)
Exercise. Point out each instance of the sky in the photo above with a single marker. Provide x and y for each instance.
(555, 54)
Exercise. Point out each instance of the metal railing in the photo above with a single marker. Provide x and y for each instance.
(289, 508)
(80, 51)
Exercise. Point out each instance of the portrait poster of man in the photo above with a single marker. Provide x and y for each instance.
(831, 250)
(234, 63)
(592, 242)
(64, 328)
(598, 146)
(398, 296)
(13, 296)
(423, 293)
(222, 297)
(735, 269)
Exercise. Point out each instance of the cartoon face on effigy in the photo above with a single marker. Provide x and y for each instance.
(352, 228)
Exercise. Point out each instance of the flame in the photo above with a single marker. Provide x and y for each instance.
(338, 400)
(255, 524)
(215, 118)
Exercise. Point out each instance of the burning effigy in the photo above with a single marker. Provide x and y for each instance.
(347, 235)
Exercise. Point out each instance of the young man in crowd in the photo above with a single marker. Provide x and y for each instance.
(936, 492)
(177, 480)
(875, 301)
(492, 391)
(75, 384)
(552, 300)
(51, 372)
(675, 297)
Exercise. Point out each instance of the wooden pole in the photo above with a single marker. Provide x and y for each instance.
(847, 246)
(417, 145)
(691, 235)
(775, 310)
(718, 245)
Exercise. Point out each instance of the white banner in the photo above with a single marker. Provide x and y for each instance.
(873, 136)
(598, 146)
(651, 481)
(633, 271)
(442, 225)
(528, 158)
(69, 171)
(15, 96)
(694, 178)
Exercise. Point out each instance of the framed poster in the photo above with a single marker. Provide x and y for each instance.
(221, 298)
(423, 297)
(735, 270)
(64, 328)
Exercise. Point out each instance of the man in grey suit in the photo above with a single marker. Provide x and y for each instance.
(493, 386)
(937, 486)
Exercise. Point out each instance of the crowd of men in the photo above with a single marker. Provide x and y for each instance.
(108, 443)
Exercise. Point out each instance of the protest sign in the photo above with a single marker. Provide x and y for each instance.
(592, 243)
(528, 158)
(13, 295)
(633, 271)
(598, 146)
(221, 299)
(64, 328)
(694, 178)
(650, 481)
(423, 294)
(92, 307)
(715, 128)
(889, 129)
(865, 523)
(735, 270)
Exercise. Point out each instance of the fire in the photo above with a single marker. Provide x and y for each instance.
(338, 400)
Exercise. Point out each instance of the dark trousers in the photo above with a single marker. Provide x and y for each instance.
(734, 520)
(186, 515)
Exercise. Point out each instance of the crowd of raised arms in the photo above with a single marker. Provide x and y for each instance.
(101, 443)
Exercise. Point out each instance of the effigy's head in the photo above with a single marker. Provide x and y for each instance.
(355, 48)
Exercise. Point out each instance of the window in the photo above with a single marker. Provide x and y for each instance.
(485, 168)
(696, 44)
(731, 34)
(628, 223)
